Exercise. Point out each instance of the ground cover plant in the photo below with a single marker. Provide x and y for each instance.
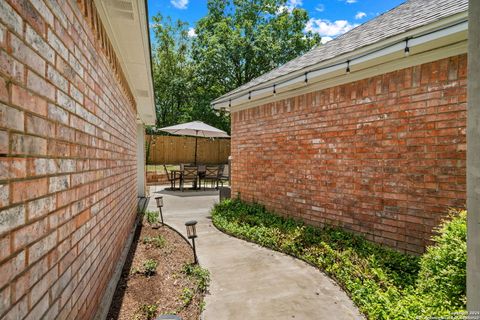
(383, 283)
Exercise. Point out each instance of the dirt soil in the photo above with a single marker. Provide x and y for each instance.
(165, 288)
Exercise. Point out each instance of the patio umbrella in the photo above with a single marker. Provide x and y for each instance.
(196, 129)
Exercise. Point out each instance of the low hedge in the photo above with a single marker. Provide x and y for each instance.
(383, 283)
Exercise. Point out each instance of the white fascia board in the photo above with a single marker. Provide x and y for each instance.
(130, 40)
(386, 67)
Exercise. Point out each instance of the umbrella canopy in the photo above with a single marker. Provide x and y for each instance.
(196, 129)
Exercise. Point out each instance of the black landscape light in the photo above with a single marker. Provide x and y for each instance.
(192, 234)
(159, 201)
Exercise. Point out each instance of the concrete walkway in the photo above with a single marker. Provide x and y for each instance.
(248, 281)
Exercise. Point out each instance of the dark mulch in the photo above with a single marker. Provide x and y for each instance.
(163, 289)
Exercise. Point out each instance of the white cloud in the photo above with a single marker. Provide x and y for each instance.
(360, 15)
(325, 39)
(192, 33)
(290, 5)
(294, 3)
(327, 28)
(180, 4)
(320, 8)
(351, 1)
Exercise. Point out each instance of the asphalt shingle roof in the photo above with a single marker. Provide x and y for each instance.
(407, 16)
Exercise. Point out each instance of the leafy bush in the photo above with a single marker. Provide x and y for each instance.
(158, 241)
(151, 216)
(150, 267)
(384, 284)
(442, 275)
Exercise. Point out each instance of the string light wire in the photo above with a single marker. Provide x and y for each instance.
(347, 63)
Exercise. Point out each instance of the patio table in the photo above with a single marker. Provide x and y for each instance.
(179, 173)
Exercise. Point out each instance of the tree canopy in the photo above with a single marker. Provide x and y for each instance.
(237, 41)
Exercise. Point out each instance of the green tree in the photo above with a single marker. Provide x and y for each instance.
(239, 40)
(172, 71)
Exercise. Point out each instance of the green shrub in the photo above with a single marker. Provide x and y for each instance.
(151, 216)
(158, 241)
(150, 267)
(384, 284)
(442, 273)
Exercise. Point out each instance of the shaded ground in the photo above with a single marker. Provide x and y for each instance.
(166, 289)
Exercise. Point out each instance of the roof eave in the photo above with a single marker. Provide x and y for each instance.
(247, 97)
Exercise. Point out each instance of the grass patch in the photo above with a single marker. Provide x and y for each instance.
(383, 283)
(160, 169)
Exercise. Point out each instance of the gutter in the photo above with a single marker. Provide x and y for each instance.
(150, 55)
(443, 33)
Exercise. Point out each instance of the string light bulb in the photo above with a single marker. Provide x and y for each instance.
(348, 67)
(230, 103)
(274, 90)
(306, 78)
(249, 95)
(407, 48)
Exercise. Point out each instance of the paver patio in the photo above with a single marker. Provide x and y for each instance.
(248, 281)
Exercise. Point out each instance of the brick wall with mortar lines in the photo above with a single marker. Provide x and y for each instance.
(383, 156)
(67, 162)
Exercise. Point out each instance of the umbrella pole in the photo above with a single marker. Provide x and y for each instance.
(196, 150)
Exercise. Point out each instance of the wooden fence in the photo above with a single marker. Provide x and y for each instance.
(176, 150)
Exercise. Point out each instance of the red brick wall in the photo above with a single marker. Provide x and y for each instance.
(383, 156)
(67, 162)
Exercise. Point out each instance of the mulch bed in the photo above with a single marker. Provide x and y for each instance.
(164, 289)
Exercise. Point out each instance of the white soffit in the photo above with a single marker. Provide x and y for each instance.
(126, 24)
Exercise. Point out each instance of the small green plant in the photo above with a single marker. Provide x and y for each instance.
(384, 284)
(150, 267)
(149, 311)
(201, 275)
(158, 241)
(151, 216)
(187, 296)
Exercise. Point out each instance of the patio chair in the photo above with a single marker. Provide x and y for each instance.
(189, 174)
(224, 174)
(211, 174)
(172, 178)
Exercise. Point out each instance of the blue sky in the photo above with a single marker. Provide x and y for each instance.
(329, 18)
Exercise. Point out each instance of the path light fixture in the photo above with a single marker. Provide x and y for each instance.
(192, 234)
(159, 201)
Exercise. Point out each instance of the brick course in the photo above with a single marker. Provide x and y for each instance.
(383, 156)
(67, 160)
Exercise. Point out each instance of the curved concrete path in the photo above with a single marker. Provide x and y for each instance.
(249, 281)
